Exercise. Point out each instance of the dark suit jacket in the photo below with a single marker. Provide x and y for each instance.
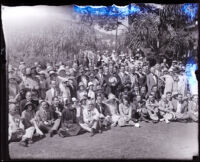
(151, 82)
(23, 103)
(184, 106)
(53, 109)
(104, 109)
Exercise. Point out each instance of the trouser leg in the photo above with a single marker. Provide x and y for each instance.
(86, 127)
(56, 125)
(29, 133)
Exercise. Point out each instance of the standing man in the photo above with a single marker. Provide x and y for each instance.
(152, 79)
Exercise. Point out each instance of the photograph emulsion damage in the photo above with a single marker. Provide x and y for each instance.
(102, 82)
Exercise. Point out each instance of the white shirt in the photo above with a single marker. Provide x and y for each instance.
(52, 91)
(178, 107)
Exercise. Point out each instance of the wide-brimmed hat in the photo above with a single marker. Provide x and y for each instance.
(61, 69)
(65, 80)
(49, 68)
(26, 105)
(80, 84)
(52, 72)
(112, 97)
(74, 99)
(90, 84)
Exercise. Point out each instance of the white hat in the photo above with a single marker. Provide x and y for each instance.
(61, 69)
(81, 84)
(74, 99)
(65, 80)
(90, 84)
(52, 72)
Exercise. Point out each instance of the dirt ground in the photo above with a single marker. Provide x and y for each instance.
(151, 141)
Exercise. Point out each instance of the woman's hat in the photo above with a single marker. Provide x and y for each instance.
(80, 84)
(52, 72)
(112, 80)
(61, 69)
(74, 99)
(26, 105)
(90, 84)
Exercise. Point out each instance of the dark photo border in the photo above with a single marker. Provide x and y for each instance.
(3, 69)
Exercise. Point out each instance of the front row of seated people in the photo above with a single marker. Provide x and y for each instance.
(95, 115)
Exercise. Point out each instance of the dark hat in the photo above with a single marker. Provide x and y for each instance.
(26, 105)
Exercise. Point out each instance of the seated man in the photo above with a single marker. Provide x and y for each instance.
(193, 108)
(139, 111)
(90, 118)
(165, 108)
(69, 122)
(45, 119)
(16, 128)
(56, 108)
(180, 109)
(152, 108)
(105, 115)
(112, 104)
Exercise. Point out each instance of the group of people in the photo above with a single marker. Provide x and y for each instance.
(94, 95)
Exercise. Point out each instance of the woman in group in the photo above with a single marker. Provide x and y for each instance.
(112, 104)
(69, 122)
(165, 109)
(125, 110)
(28, 120)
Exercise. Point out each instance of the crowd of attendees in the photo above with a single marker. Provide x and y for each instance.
(96, 94)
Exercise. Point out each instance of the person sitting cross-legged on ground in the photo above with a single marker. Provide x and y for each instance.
(139, 111)
(56, 107)
(165, 108)
(125, 110)
(180, 108)
(193, 108)
(16, 128)
(90, 118)
(105, 115)
(112, 104)
(152, 108)
(45, 119)
(69, 122)
(28, 120)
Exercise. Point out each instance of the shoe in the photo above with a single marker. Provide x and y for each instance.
(52, 133)
(162, 119)
(30, 141)
(137, 125)
(167, 121)
(92, 133)
(24, 143)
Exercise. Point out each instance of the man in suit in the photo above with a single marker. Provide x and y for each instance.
(193, 108)
(105, 115)
(152, 79)
(90, 118)
(46, 118)
(180, 108)
(52, 92)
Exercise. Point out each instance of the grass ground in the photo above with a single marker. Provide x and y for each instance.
(151, 141)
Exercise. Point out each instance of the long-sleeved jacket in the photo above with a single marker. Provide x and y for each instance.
(90, 115)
